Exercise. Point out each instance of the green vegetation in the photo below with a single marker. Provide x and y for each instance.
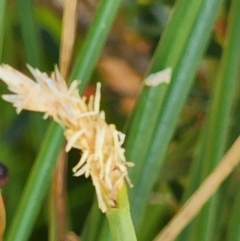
(176, 133)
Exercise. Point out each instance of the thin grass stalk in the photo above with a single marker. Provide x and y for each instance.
(233, 232)
(153, 121)
(217, 127)
(91, 229)
(3, 181)
(108, 9)
(58, 210)
(45, 162)
(36, 187)
(2, 24)
(58, 222)
(184, 68)
(169, 49)
(68, 36)
(32, 47)
(8, 46)
(202, 194)
(29, 32)
(2, 217)
(95, 40)
(120, 221)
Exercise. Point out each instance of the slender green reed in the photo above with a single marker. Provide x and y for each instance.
(216, 130)
(37, 186)
(30, 33)
(120, 221)
(43, 167)
(2, 24)
(184, 65)
(154, 119)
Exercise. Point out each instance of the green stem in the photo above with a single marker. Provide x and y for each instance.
(31, 40)
(29, 32)
(93, 222)
(37, 186)
(39, 179)
(95, 40)
(2, 217)
(156, 113)
(217, 127)
(52, 227)
(233, 224)
(160, 119)
(2, 25)
(120, 221)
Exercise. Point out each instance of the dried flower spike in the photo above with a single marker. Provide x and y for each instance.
(84, 126)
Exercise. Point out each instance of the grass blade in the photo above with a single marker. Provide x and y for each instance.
(29, 32)
(120, 221)
(151, 126)
(58, 191)
(95, 40)
(37, 186)
(184, 65)
(32, 47)
(2, 29)
(34, 193)
(202, 194)
(233, 227)
(217, 126)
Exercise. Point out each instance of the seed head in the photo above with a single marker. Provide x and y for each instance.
(84, 126)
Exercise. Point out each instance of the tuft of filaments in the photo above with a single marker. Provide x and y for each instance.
(85, 128)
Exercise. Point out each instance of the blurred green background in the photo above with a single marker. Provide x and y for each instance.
(124, 61)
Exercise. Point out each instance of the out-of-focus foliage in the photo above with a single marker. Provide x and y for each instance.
(127, 53)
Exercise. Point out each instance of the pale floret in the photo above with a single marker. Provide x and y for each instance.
(84, 126)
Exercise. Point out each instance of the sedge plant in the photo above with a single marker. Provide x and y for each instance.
(123, 173)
